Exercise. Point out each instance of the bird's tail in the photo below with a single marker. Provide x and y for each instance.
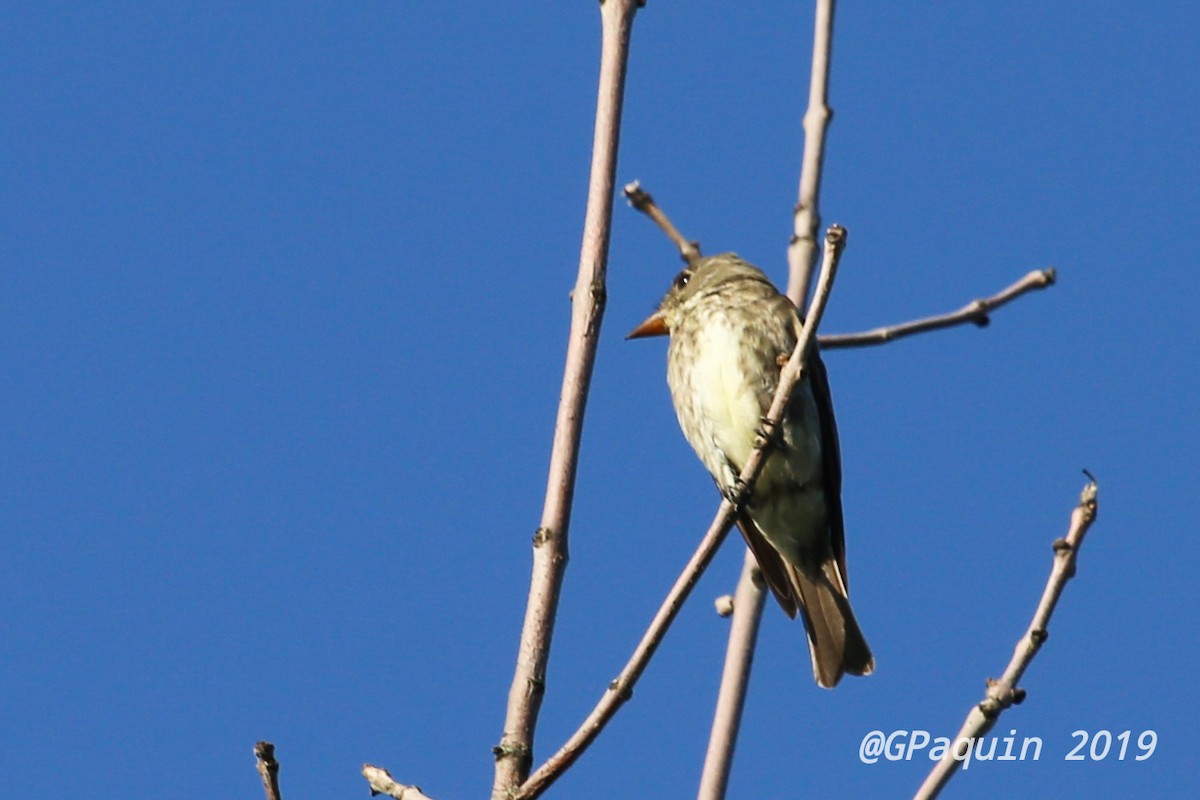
(834, 639)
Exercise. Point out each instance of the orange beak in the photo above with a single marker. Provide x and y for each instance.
(655, 325)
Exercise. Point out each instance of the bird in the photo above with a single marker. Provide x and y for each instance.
(731, 331)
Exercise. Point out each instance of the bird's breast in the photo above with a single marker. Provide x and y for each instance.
(717, 392)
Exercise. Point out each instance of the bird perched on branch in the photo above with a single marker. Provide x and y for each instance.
(731, 332)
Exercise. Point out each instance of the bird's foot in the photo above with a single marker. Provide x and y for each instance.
(769, 434)
(735, 493)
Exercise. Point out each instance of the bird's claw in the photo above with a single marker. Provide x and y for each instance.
(735, 493)
(769, 433)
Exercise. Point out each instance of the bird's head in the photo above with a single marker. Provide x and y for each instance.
(697, 280)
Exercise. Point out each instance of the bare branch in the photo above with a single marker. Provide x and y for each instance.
(640, 199)
(1003, 693)
(976, 312)
(268, 768)
(514, 752)
(621, 689)
(802, 250)
(380, 781)
(739, 656)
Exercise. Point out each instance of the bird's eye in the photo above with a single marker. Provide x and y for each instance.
(681, 280)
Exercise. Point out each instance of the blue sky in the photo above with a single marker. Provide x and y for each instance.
(282, 326)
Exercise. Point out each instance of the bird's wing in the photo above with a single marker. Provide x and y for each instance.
(770, 563)
(831, 459)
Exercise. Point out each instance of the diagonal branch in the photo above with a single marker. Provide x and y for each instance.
(514, 753)
(621, 689)
(1003, 693)
(748, 605)
(641, 200)
(976, 312)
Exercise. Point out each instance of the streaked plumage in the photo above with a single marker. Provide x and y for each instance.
(730, 332)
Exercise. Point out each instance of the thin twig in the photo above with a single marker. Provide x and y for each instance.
(739, 656)
(641, 200)
(802, 251)
(976, 312)
(514, 752)
(268, 768)
(621, 689)
(748, 608)
(1004, 692)
(380, 781)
